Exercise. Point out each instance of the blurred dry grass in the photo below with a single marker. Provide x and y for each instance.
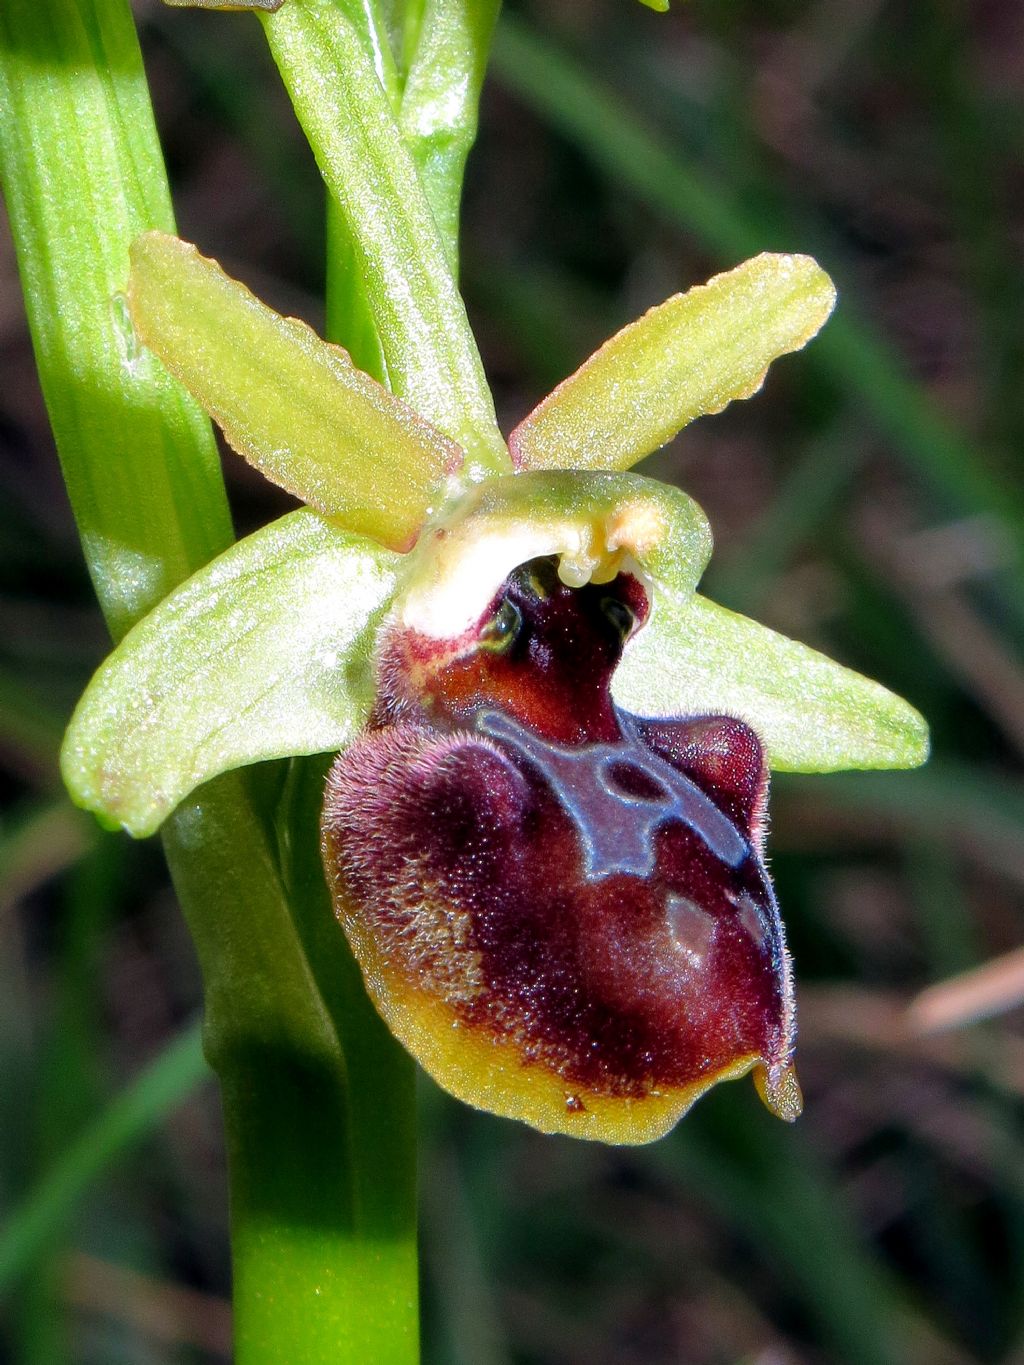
(888, 1226)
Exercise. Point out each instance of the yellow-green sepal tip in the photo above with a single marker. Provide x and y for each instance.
(290, 403)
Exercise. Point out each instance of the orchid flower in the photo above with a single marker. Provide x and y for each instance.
(544, 832)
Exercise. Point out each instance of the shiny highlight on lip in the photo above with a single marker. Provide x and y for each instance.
(561, 909)
(600, 788)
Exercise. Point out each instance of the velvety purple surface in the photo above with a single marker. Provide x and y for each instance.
(582, 882)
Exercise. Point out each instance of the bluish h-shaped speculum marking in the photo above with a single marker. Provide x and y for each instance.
(617, 827)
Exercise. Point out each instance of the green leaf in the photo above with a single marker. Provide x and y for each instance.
(82, 176)
(292, 405)
(167, 1080)
(262, 654)
(311, 1211)
(691, 355)
(813, 715)
(429, 351)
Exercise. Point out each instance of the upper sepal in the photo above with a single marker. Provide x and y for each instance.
(262, 654)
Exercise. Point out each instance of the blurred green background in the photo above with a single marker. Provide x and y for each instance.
(868, 502)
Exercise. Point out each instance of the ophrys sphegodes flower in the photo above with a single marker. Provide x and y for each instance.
(544, 833)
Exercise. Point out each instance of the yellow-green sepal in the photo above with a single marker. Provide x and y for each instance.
(694, 657)
(293, 405)
(264, 653)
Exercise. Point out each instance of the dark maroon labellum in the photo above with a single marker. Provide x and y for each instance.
(562, 909)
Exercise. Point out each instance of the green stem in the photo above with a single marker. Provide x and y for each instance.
(321, 1248)
(322, 1218)
(350, 320)
(78, 154)
(450, 58)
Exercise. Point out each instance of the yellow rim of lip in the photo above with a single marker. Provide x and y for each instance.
(490, 1074)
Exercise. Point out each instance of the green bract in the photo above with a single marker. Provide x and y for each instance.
(269, 650)
(404, 264)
